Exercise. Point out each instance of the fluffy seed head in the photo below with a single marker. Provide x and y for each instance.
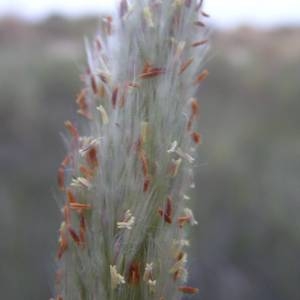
(129, 170)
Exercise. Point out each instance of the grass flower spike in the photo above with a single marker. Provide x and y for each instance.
(127, 177)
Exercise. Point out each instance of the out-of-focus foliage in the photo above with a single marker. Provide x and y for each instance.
(247, 243)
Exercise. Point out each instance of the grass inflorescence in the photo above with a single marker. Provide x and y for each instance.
(129, 170)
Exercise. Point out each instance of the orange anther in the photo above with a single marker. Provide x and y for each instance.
(188, 290)
(185, 65)
(196, 137)
(201, 76)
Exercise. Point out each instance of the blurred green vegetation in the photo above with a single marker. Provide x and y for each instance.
(247, 198)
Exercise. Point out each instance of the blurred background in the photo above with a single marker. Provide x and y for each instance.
(247, 244)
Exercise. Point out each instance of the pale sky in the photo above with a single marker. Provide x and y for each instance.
(223, 12)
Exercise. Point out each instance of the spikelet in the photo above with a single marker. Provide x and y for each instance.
(127, 177)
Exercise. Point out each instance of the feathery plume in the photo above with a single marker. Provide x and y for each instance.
(128, 173)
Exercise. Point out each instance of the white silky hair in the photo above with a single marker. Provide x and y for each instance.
(137, 209)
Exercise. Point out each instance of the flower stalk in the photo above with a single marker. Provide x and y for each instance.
(128, 174)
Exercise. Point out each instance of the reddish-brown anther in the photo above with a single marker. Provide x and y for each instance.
(199, 43)
(81, 100)
(61, 178)
(194, 113)
(144, 162)
(168, 219)
(146, 184)
(194, 107)
(149, 71)
(74, 235)
(196, 136)
(185, 65)
(134, 273)
(94, 85)
(91, 157)
(188, 290)
(202, 76)
(169, 207)
(70, 196)
(152, 73)
(82, 222)
(167, 212)
(82, 229)
(83, 107)
(114, 97)
(80, 207)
